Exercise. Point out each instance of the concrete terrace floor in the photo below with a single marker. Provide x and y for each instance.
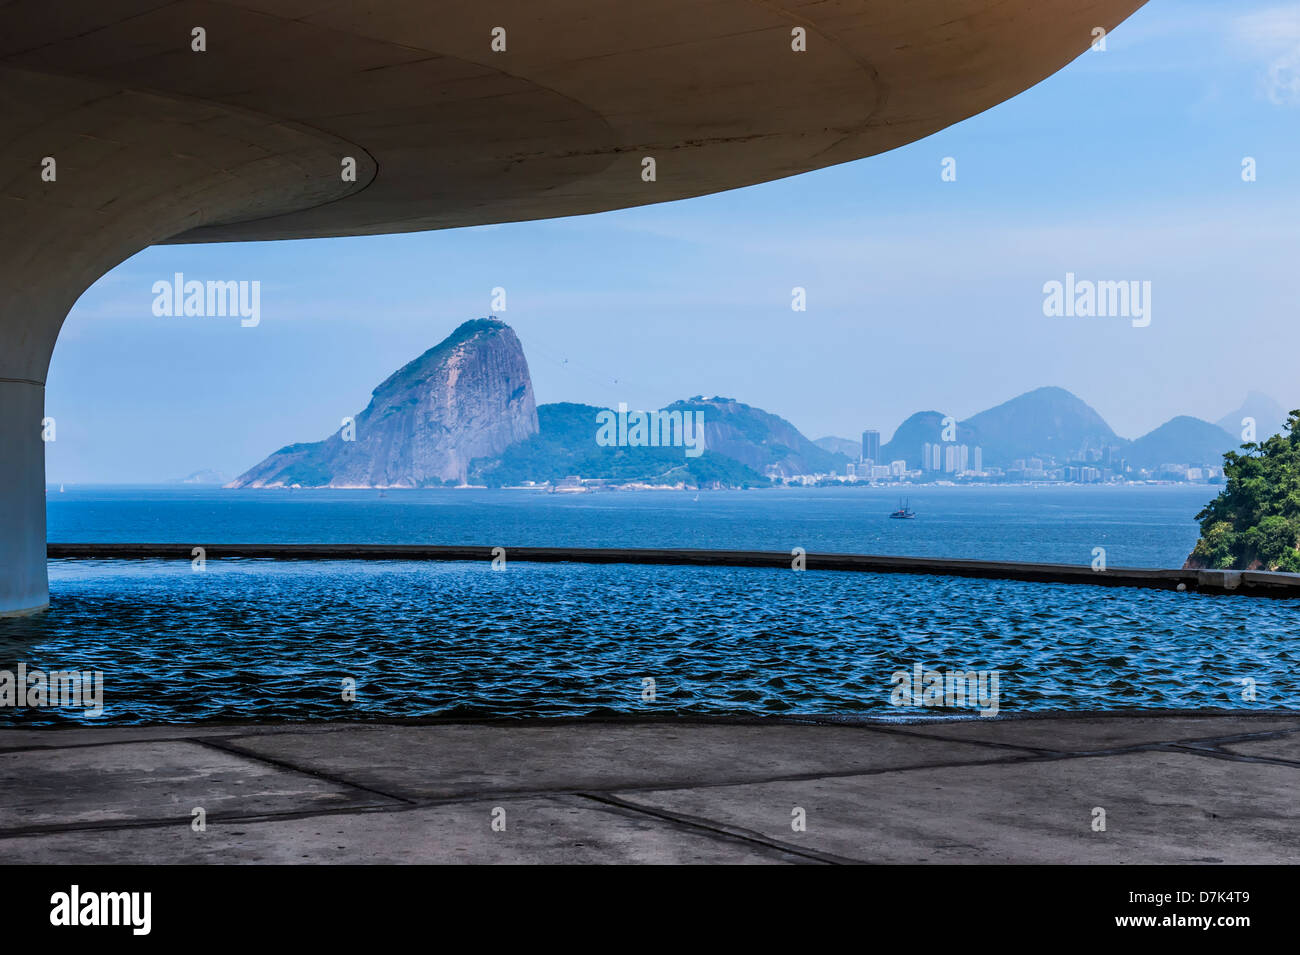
(1176, 788)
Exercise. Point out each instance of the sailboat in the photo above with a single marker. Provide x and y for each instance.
(904, 511)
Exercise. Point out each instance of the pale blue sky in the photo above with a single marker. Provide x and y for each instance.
(921, 293)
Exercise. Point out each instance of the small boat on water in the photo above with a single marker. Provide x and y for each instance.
(904, 511)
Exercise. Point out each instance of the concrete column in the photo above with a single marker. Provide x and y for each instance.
(90, 173)
(23, 583)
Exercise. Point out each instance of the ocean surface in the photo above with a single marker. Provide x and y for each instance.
(277, 640)
(1141, 526)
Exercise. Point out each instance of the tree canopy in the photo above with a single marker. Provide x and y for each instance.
(1254, 523)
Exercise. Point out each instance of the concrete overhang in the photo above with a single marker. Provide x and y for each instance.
(450, 132)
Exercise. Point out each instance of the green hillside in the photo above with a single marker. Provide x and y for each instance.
(566, 445)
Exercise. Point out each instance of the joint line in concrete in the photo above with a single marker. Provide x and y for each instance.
(228, 746)
(716, 829)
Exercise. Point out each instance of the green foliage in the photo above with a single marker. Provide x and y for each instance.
(1255, 520)
(715, 470)
(771, 439)
(566, 444)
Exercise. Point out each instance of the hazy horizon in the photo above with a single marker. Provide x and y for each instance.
(921, 293)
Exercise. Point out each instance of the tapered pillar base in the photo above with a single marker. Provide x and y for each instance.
(27, 612)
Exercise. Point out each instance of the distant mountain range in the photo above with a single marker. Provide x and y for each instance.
(1043, 422)
(464, 412)
(1052, 422)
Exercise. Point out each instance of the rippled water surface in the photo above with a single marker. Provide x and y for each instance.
(266, 639)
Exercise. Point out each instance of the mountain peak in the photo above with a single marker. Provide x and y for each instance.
(1182, 439)
(1047, 420)
(1270, 417)
(467, 397)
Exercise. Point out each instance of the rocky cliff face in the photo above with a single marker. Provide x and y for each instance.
(468, 397)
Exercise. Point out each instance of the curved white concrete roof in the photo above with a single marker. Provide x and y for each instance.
(449, 132)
